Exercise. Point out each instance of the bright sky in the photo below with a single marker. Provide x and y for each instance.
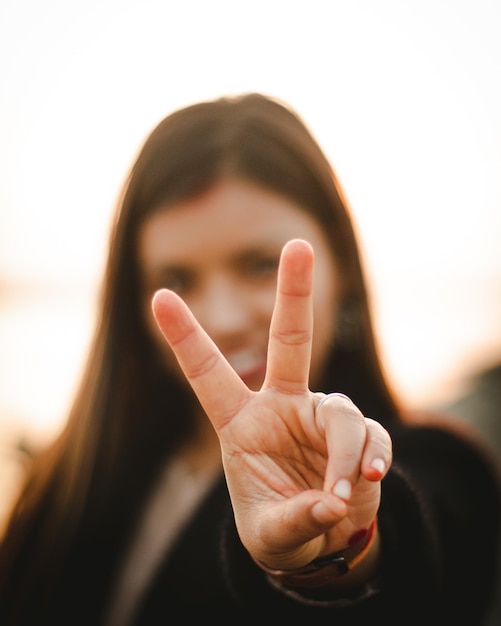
(404, 96)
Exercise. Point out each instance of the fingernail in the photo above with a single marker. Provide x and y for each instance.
(320, 512)
(342, 489)
(378, 464)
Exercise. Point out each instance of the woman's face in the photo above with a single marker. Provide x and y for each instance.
(220, 251)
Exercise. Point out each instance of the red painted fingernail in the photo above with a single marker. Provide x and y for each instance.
(357, 536)
(360, 534)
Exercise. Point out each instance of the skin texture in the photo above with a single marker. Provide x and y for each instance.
(301, 480)
(197, 246)
(227, 276)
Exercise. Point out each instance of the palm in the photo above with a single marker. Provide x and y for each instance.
(281, 456)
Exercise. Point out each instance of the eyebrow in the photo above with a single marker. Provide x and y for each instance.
(238, 256)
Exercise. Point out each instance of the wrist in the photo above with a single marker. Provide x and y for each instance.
(344, 568)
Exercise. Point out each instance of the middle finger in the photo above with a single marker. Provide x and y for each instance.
(289, 348)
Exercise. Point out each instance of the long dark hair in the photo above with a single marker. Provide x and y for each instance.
(84, 492)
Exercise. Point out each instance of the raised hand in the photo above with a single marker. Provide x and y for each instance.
(303, 469)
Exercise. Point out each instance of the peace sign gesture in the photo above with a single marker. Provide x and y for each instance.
(303, 469)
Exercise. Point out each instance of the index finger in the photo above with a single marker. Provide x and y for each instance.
(291, 328)
(218, 387)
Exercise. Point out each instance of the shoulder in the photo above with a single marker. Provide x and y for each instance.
(451, 433)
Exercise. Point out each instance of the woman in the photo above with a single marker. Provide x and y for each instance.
(251, 478)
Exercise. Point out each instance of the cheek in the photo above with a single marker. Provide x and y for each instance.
(324, 306)
(263, 304)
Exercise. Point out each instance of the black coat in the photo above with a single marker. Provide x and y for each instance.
(439, 523)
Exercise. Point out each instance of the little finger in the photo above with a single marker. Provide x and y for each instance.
(345, 436)
(378, 453)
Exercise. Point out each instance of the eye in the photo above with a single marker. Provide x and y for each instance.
(175, 279)
(262, 267)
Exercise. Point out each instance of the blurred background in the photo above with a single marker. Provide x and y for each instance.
(404, 97)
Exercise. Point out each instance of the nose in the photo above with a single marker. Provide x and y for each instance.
(223, 308)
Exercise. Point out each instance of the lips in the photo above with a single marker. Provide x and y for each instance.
(249, 364)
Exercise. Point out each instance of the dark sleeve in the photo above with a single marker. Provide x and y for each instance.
(439, 523)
